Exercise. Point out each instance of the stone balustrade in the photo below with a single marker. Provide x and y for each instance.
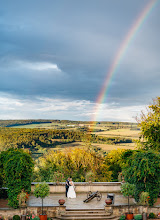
(84, 187)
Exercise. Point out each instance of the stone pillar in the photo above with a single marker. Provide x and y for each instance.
(60, 210)
(108, 209)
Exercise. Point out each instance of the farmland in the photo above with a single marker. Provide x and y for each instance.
(38, 136)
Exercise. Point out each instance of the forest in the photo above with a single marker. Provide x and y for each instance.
(49, 138)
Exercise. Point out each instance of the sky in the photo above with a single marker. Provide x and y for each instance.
(55, 56)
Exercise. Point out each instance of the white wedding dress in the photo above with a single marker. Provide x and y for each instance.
(71, 192)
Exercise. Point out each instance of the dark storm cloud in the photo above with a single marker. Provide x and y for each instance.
(63, 49)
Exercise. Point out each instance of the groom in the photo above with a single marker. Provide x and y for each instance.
(67, 185)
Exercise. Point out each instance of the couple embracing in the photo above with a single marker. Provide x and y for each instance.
(70, 192)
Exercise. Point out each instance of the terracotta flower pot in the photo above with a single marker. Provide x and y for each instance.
(108, 201)
(61, 201)
(129, 216)
(43, 217)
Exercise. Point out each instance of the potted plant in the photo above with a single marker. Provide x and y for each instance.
(108, 201)
(128, 190)
(23, 197)
(41, 190)
(61, 201)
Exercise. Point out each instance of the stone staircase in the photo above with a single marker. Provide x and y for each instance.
(86, 214)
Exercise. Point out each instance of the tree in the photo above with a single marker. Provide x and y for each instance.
(115, 162)
(16, 170)
(142, 169)
(150, 126)
(75, 162)
(41, 190)
(128, 190)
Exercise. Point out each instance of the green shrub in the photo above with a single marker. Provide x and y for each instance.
(123, 217)
(16, 167)
(36, 218)
(16, 217)
(138, 217)
(144, 198)
(152, 215)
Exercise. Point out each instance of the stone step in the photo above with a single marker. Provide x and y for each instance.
(84, 212)
(88, 217)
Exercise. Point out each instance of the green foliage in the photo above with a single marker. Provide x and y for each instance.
(150, 127)
(57, 177)
(142, 169)
(127, 189)
(36, 218)
(144, 198)
(152, 215)
(115, 162)
(138, 217)
(122, 217)
(90, 176)
(41, 190)
(16, 217)
(16, 168)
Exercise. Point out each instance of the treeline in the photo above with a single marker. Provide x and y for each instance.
(9, 123)
(32, 138)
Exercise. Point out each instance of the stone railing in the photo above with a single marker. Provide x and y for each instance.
(83, 187)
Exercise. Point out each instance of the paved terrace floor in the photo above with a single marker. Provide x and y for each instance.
(52, 200)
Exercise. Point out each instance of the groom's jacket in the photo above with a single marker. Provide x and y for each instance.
(67, 184)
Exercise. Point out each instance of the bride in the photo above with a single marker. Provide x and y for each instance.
(71, 192)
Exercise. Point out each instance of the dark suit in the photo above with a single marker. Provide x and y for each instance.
(67, 186)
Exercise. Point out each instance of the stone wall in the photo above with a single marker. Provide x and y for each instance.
(135, 209)
(82, 187)
(53, 211)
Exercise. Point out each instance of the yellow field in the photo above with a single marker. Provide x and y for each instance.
(126, 133)
(109, 147)
(105, 147)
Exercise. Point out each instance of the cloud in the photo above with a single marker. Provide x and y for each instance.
(62, 51)
(40, 66)
(48, 108)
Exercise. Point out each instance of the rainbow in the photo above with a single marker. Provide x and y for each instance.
(119, 56)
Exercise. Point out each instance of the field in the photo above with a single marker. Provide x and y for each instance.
(105, 147)
(103, 129)
(124, 132)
